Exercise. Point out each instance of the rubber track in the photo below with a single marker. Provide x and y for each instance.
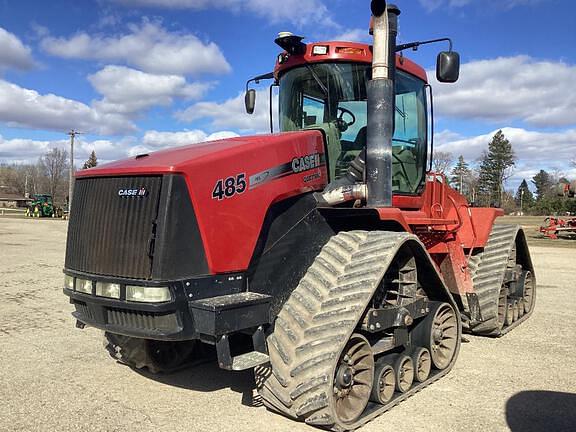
(489, 277)
(316, 322)
(135, 353)
(129, 351)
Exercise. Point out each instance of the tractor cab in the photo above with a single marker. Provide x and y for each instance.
(323, 86)
(332, 97)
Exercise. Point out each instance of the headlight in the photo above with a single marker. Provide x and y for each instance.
(110, 290)
(147, 294)
(84, 286)
(69, 282)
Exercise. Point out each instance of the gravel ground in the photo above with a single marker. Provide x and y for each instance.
(57, 378)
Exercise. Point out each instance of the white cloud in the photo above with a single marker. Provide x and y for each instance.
(298, 12)
(147, 46)
(156, 139)
(232, 114)
(511, 88)
(13, 53)
(353, 35)
(535, 150)
(23, 107)
(24, 150)
(129, 91)
(431, 5)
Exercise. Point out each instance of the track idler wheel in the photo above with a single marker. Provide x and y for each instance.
(384, 383)
(528, 292)
(353, 379)
(438, 333)
(422, 363)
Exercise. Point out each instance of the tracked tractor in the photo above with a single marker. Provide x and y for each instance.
(327, 257)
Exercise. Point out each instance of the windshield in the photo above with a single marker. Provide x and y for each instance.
(332, 97)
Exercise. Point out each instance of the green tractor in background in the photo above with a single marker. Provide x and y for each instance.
(41, 206)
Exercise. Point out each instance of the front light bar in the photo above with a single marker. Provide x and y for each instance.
(133, 293)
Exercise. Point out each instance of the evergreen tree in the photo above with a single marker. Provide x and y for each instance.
(543, 183)
(91, 162)
(461, 176)
(495, 168)
(524, 197)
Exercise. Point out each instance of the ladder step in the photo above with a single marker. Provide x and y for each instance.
(249, 360)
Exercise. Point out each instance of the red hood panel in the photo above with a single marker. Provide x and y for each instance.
(273, 167)
(178, 159)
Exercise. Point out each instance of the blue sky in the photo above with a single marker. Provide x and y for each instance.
(141, 75)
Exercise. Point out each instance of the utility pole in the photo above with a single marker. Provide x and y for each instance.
(521, 201)
(72, 134)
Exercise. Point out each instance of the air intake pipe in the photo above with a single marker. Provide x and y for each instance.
(381, 102)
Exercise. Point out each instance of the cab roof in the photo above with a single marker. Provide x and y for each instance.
(338, 51)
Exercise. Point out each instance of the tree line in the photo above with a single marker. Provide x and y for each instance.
(49, 175)
(484, 181)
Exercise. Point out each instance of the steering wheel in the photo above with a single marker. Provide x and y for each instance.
(342, 124)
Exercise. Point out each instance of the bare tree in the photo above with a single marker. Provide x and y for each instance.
(54, 166)
(442, 161)
(21, 179)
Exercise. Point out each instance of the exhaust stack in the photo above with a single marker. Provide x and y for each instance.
(381, 103)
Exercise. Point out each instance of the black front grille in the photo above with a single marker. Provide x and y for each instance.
(111, 234)
(143, 320)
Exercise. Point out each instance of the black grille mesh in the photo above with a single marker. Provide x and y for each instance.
(110, 234)
(143, 320)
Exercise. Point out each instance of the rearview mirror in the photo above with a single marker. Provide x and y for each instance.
(250, 101)
(448, 67)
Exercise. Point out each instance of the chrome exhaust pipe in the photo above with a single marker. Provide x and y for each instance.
(381, 103)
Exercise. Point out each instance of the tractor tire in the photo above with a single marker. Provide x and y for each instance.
(155, 356)
(506, 248)
(316, 335)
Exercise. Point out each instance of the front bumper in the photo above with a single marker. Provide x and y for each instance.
(172, 320)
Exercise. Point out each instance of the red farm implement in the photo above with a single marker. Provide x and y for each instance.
(558, 225)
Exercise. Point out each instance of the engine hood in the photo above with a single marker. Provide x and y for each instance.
(232, 184)
(182, 159)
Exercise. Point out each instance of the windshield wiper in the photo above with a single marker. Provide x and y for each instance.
(318, 80)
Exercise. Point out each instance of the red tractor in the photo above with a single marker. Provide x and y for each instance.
(327, 257)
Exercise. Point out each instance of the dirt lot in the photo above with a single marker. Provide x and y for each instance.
(57, 378)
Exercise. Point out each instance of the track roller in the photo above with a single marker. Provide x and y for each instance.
(404, 369)
(422, 363)
(384, 383)
(515, 311)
